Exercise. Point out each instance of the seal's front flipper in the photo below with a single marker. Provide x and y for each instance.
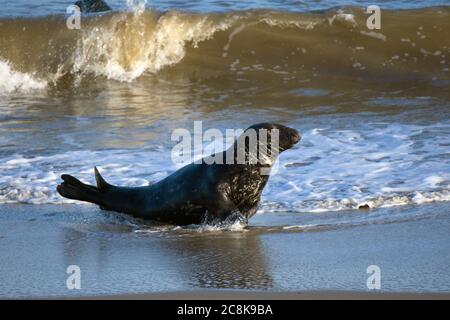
(224, 218)
(224, 211)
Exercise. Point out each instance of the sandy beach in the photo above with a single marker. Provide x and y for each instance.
(119, 257)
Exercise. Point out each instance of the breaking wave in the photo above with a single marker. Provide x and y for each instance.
(13, 81)
(128, 45)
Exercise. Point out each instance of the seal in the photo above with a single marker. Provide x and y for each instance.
(90, 6)
(223, 186)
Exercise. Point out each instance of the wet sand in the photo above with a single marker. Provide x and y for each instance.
(119, 257)
(251, 295)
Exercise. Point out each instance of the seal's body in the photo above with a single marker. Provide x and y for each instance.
(196, 193)
(90, 6)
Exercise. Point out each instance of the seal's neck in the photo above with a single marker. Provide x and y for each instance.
(256, 156)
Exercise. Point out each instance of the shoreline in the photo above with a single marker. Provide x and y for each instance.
(315, 295)
(38, 243)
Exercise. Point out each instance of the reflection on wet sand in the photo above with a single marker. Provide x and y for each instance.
(223, 260)
(39, 243)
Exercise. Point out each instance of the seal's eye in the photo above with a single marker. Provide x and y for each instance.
(288, 138)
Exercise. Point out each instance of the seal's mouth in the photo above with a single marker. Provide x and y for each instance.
(290, 138)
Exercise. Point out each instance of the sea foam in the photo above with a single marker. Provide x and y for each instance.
(13, 81)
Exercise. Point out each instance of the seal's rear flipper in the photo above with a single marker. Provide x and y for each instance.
(107, 196)
(102, 185)
(72, 188)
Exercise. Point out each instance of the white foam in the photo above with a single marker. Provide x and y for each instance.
(137, 6)
(230, 38)
(131, 46)
(33, 180)
(235, 226)
(300, 227)
(378, 165)
(341, 16)
(13, 81)
(373, 34)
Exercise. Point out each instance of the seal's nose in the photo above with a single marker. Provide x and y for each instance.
(295, 136)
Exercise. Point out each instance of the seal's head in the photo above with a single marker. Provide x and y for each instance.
(260, 144)
(277, 134)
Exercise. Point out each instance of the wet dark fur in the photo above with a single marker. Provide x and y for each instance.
(89, 6)
(194, 194)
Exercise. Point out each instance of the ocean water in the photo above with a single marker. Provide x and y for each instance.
(21, 8)
(373, 106)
